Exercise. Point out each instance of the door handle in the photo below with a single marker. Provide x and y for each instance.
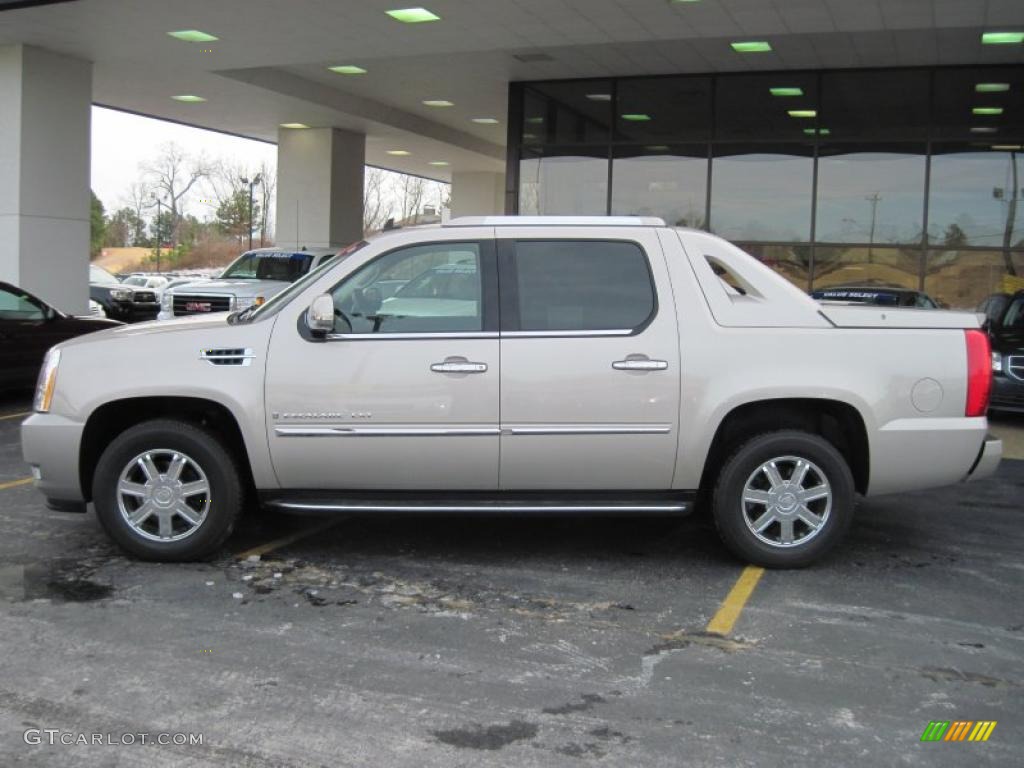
(639, 364)
(458, 366)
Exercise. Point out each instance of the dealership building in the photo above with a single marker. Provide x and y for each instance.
(840, 141)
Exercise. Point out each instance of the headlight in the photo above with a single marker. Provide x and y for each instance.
(121, 294)
(249, 301)
(47, 381)
(997, 362)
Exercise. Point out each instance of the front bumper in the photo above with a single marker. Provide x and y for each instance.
(133, 311)
(1007, 394)
(50, 444)
(988, 460)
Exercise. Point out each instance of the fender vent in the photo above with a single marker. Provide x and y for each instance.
(227, 356)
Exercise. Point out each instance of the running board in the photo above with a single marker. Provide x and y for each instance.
(306, 503)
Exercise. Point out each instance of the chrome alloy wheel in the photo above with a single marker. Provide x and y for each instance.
(786, 501)
(163, 495)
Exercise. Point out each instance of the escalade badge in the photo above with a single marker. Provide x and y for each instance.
(198, 306)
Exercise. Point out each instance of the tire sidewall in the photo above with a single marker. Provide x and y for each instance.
(203, 448)
(728, 510)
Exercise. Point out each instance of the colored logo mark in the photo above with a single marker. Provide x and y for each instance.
(958, 730)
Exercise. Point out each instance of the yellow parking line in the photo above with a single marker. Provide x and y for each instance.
(731, 608)
(291, 538)
(15, 483)
(14, 415)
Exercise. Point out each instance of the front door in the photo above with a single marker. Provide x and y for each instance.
(589, 363)
(404, 393)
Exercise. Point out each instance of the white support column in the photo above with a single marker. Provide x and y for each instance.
(319, 187)
(478, 193)
(44, 174)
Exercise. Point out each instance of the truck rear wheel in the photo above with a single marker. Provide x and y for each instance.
(783, 499)
(167, 490)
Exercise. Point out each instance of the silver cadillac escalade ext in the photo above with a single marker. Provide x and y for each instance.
(523, 365)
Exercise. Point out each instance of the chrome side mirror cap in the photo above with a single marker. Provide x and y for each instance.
(320, 315)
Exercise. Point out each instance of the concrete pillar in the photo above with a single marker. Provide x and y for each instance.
(319, 187)
(478, 193)
(45, 102)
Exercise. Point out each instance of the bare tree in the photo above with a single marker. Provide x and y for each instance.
(173, 175)
(377, 201)
(411, 190)
(267, 190)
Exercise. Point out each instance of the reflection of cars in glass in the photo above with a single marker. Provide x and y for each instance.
(96, 309)
(448, 290)
(156, 283)
(248, 281)
(1007, 334)
(28, 327)
(120, 301)
(994, 306)
(878, 296)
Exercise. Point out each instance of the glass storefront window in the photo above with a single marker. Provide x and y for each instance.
(762, 192)
(972, 196)
(884, 104)
(572, 112)
(568, 181)
(668, 182)
(793, 262)
(663, 109)
(870, 194)
(862, 265)
(962, 279)
(978, 104)
(776, 107)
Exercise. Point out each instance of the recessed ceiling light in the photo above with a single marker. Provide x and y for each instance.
(438, 103)
(786, 91)
(294, 125)
(399, 152)
(751, 46)
(803, 113)
(486, 120)
(413, 15)
(1006, 147)
(189, 98)
(439, 163)
(348, 69)
(599, 96)
(193, 36)
(636, 117)
(987, 111)
(982, 129)
(992, 87)
(1001, 38)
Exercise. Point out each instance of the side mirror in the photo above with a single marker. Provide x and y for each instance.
(320, 315)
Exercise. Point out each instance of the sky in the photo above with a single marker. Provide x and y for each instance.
(122, 141)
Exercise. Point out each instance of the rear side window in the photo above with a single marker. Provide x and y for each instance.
(582, 285)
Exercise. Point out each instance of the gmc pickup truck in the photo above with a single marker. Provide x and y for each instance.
(540, 365)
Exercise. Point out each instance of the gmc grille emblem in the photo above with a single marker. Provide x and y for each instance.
(198, 306)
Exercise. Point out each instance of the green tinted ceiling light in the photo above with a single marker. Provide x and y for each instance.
(751, 46)
(438, 103)
(987, 111)
(295, 126)
(818, 131)
(599, 96)
(485, 120)
(1006, 147)
(786, 91)
(413, 15)
(439, 163)
(992, 87)
(1001, 38)
(982, 129)
(803, 113)
(193, 36)
(348, 69)
(535, 120)
(399, 152)
(636, 117)
(189, 98)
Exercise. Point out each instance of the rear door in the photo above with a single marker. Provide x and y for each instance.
(589, 360)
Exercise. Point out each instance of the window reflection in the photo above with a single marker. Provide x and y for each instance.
(668, 182)
(972, 195)
(564, 181)
(575, 112)
(870, 195)
(663, 109)
(779, 107)
(964, 278)
(890, 104)
(866, 266)
(762, 193)
(793, 262)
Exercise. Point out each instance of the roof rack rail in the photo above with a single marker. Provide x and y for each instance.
(555, 221)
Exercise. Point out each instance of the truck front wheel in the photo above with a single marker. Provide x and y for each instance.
(167, 490)
(783, 499)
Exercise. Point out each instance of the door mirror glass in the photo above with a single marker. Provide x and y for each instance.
(320, 315)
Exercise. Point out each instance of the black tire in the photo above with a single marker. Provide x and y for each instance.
(731, 512)
(208, 452)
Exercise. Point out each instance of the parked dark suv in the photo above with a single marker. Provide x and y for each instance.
(120, 301)
(1007, 334)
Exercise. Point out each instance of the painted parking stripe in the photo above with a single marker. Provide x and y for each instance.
(5, 416)
(291, 538)
(15, 483)
(729, 611)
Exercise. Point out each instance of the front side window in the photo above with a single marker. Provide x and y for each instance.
(435, 288)
(16, 306)
(582, 285)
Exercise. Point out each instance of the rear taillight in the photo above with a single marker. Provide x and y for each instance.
(979, 372)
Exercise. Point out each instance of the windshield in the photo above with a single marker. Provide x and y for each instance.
(300, 285)
(269, 265)
(136, 280)
(1014, 317)
(100, 275)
